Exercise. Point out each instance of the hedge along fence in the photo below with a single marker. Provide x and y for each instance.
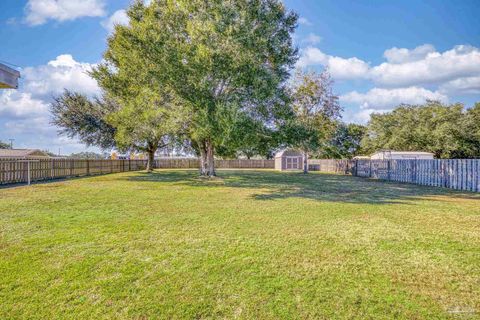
(460, 174)
(14, 170)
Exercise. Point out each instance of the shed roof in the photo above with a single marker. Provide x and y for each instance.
(404, 152)
(288, 153)
(23, 153)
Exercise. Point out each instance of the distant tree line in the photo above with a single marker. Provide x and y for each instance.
(89, 155)
(4, 145)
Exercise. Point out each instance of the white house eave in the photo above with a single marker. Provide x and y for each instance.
(8, 77)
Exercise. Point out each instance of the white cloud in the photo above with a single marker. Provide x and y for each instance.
(385, 99)
(59, 74)
(38, 12)
(15, 104)
(339, 68)
(363, 116)
(38, 126)
(312, 39)
(312, 56)
(420, 66)
(118, 17)
(470, 85)
(402, 55)
(304, 21)
(350, 68)
(461, 61)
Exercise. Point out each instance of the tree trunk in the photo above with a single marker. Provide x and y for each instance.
(305, 162)
(151, 159)
(203, 158)
(151, 149)
(210, 159)
(207, 160)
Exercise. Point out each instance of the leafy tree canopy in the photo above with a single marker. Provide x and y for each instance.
(316, 112)
(448, 131)
(345, 143)
(219, 61)
(83, 118)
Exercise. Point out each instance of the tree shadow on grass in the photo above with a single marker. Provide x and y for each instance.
(271, 185)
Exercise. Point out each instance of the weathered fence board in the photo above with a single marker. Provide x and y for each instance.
(461, 174)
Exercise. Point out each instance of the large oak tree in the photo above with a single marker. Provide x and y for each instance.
(215, 58)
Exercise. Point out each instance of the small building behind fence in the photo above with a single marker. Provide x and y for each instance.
(397, 155)
(23, 153)
(289, 159)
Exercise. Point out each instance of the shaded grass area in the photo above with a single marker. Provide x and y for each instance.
(249, 244)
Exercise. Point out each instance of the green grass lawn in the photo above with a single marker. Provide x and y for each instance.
(248, 245)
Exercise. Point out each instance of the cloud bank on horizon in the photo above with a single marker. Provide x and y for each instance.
(405, 75)
(401, 79)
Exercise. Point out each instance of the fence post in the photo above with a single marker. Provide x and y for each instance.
(478, 175)
(388, 170)
(28, 172)
(444, 173)
(414, 171)
(88, 167)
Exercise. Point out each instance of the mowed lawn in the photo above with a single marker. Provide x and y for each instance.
(247, 245)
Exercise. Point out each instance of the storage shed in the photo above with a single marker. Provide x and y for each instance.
(289, 159)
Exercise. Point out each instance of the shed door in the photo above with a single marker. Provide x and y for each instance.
(293, 163)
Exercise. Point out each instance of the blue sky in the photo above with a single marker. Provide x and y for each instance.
(380, 53)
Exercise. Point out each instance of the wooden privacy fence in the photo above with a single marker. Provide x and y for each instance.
(177, 163)
(219, 164)
(245, 164)
(460, 174)
(22, 170)
(14, 170)
(331, 165)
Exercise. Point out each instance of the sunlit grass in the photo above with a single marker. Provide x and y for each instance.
(249, 244)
